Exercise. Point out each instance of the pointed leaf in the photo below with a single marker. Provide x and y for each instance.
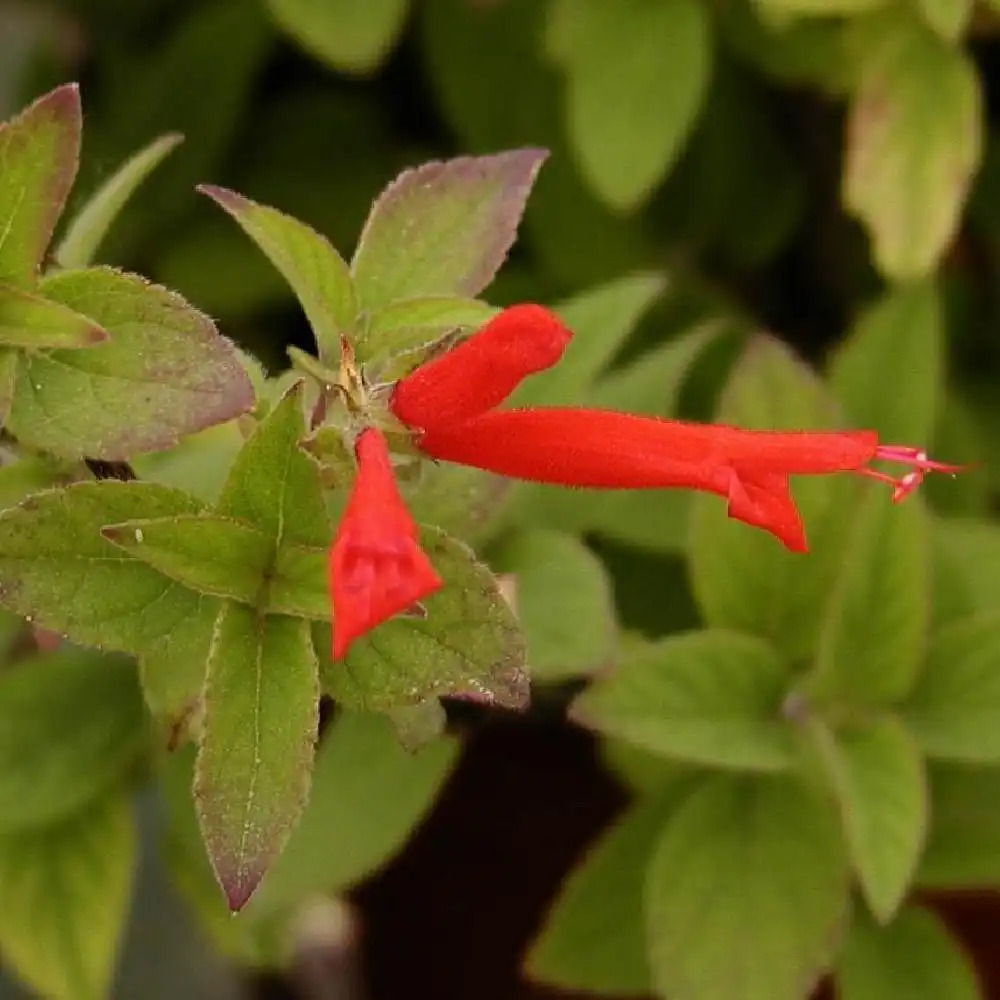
(308, 261)
(28, 320)
(741, 576)
(57, 569)
(961, 850)
(954, 710)
(165, 372)
(878, 779)
(351, 37)
(39, 150)
(949, 18)
(913, 143)
(443, 228)
(89, 226)
(594, 938)
(208, 553)
(889, 372)
(746, 893)
(637, 74)
(563, 601)
(468, 645)
(711, 697)
(874, 637)
(71, 725)
(66, 892)
(368, 795)
(914, 957)
(256, 752)
(409, 323)
(274, 485)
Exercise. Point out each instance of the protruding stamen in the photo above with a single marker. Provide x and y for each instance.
(918, 462)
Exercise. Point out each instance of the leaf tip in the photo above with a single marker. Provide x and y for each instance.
(224, 197)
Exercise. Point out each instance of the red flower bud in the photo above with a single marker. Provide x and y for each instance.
(482, 371)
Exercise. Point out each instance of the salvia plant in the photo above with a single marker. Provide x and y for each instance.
(256, 593)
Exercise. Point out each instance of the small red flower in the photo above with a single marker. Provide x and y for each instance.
(377, 568)
(606, 449)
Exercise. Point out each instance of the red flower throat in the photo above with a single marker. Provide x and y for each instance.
(377, 568)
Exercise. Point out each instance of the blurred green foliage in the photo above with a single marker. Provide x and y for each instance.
(735, 189)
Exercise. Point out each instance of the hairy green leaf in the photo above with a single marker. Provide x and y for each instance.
(443, 228)
(164, 373)
(256, 751)
(712, 697)
(39, 150)
(746, 893)
(31, 321)
(66, 892)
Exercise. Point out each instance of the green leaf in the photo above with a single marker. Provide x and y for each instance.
(71, 724)
(28, 320)
(889, 372)
(39, 150)
(969, 548)
(469, 644)
(746, 893)
(913, 143)
(368, 795)
(172, 665)
(90, 225)
(963, 845)
(458, 499)
(164, 373)
(815, 8)
(256, 751)
(66, 892)
(878, 779)
(273, 485)
(874, 636)
(307, 260)
(741, 576)
(297, 583)
(949, 18)
(594, 938)
(602, 319)
(564, 603)
(350, 37)
(443, 228)
(712, 697)
(208, 553)
(636, 76)
(914, 957)
(57, 570)
(954, 710)
(411, 323)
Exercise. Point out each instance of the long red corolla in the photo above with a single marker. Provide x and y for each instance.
(572, 446)
(377, 568)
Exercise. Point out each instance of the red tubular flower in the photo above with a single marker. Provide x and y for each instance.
(571, 446)
(377, 568)
(482, 371)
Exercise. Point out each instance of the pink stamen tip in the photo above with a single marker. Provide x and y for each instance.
(918, 462)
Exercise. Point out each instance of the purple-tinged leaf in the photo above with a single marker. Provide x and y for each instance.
(166, 372)
(443, 228)
(261, 711)
(309, 263)
(90, 225)
(31, 321)
(467, 645)
(39, 153)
